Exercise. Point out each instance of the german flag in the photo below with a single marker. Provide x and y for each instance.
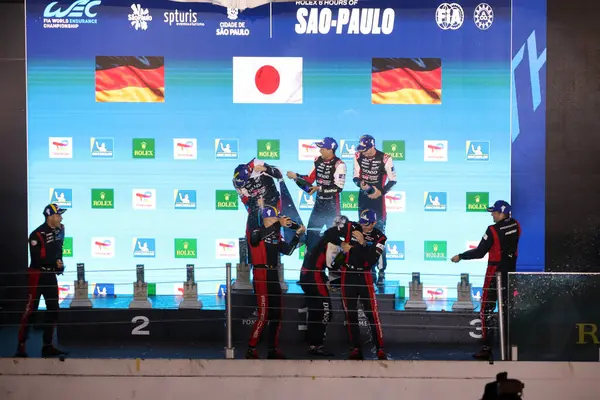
(406, 81)
(130, 79)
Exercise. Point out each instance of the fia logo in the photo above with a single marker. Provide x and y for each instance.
(449, 16)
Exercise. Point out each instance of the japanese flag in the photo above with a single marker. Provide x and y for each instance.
(267, 80)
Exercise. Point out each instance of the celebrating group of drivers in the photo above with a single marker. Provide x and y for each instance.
(351, 249)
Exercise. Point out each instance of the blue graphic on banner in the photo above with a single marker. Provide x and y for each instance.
(436, 201)
(348, 149)
(102, 147)
(144, 247)
(307, 201)
(478, 150)
(103, 289)
(476, 293)
(394, 250)
(61, 197)
(185, 199)
(226, 148)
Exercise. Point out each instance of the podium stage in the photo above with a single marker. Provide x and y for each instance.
(111, 321)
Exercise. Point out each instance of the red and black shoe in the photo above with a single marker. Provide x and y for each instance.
(319, 351)
(21, 352)
(356, 354)
(275, 354)
(484, 354)
(381, 355)
(252, 354)
(50, 351)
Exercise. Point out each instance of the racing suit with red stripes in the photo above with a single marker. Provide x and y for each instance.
(45, 248)
(357, 283)
(501, 242)
(266, 244)
(259, 184)
(330, 176)
(377, 171)
(313, 281)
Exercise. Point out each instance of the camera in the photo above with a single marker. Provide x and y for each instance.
(503, 388)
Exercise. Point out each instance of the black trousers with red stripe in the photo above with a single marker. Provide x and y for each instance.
(252, 223)
(489, 299)
(269, 300)
(318, 302)
(358, 285)
(45, 284)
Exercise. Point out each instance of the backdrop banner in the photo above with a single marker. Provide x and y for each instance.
(139, 113)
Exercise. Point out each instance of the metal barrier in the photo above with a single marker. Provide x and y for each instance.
(425, 314)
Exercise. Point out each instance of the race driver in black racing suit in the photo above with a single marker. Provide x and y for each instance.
(362, 246)
(501, 241)
(255, 184)
(46, 249)
(314, 284)
(266, 244)
(328, 175)
(374, 173)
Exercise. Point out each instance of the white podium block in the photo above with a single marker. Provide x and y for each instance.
(242, 278)
(81, 299)
(465, 299)
(190, 297)
(140, 296)
(415, 300)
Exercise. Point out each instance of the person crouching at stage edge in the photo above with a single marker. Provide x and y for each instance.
(265, 244)
(45, 248)
(314, 282)
(362, 248)
(501, 241)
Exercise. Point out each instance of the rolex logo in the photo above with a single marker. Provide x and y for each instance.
(102, 195)
(144, 145)
(477, 199)
(227, 196)
(394, 147)
(435, 247)
(268, 146)
(351, 197)
(185, 245)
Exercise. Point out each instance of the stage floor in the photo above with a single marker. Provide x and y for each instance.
(8, 338)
